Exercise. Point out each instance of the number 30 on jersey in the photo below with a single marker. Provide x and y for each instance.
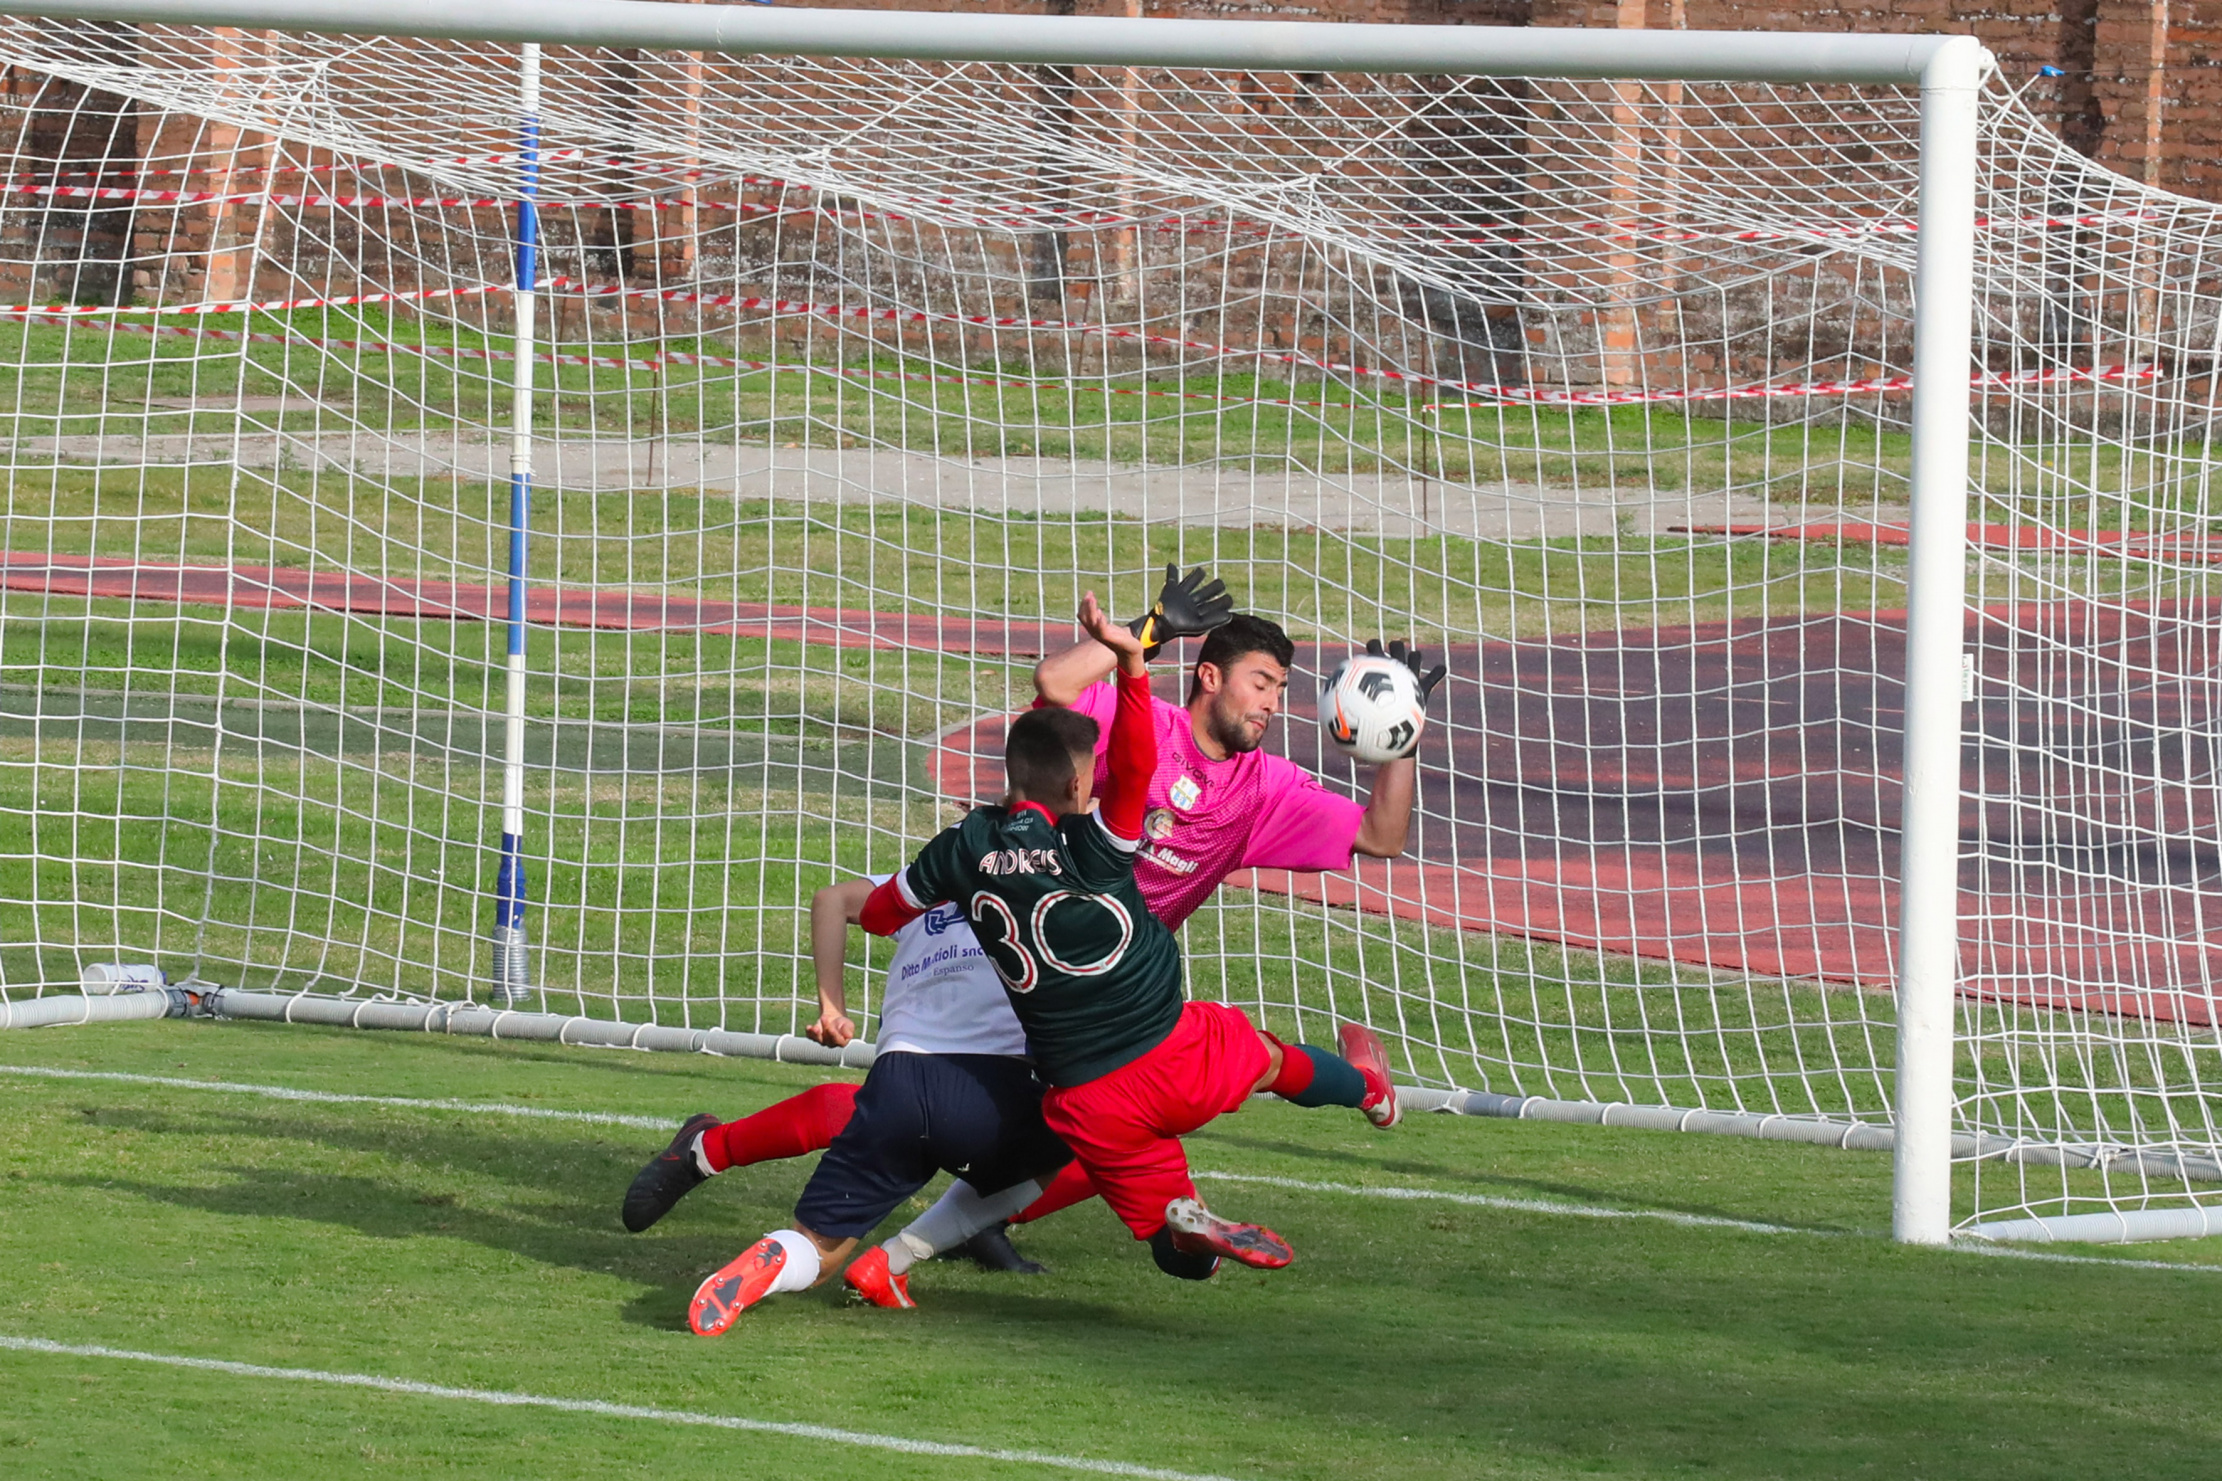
(1075, 940)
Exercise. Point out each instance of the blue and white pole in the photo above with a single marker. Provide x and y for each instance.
(512, 979)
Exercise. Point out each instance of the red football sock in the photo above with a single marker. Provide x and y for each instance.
(1071, 1185)
(801, 1123)
(1297, 1072)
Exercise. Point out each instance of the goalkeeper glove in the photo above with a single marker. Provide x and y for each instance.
(1188, 607)
(1426, 679)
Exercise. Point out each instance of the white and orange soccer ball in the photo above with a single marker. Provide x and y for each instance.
(1371, 708)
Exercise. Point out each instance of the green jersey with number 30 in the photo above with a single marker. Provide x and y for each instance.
(1094, 978)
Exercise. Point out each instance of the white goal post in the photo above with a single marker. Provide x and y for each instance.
(1163, 184)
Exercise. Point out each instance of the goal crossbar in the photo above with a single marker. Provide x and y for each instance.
(1296, 46)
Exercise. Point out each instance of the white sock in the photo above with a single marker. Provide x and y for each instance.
(960, 1214)
(800, 1272)
(702, 1158)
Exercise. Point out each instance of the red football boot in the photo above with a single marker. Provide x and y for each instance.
(1199, 1231)
(869, 1279)
(733, 1290)
(1362, 1047)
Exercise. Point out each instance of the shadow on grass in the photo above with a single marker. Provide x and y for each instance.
(556, 1201)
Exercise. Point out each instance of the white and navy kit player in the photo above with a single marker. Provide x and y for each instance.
(942, 994)
(951, 1090)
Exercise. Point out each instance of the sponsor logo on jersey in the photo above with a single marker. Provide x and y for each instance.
(933, 961)
(1020, 861)
(941, 918)
(1185, 793)
(1167, 859)
(1160, 822)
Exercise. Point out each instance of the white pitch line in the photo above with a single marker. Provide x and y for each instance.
(2015, 1252)
(329, 1097)
(603, 1409)
(1359, 1190)
(1514, 1205)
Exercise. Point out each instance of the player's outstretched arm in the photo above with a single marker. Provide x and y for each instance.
(1388, 820)
(1125, 647)
(1062, 677)
(832, 911)
(1132, 751)
(1186, 607)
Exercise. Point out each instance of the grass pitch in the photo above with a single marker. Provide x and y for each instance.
(1414, 1337)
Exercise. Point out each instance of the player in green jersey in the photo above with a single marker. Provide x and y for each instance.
(1096, 980)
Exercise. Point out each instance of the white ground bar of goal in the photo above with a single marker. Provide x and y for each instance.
(2113, 1226)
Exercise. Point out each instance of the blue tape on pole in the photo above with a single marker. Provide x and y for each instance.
(509, 884)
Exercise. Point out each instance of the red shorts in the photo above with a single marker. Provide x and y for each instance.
(1124, 1127)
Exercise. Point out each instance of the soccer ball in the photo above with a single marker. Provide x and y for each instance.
(1370, 708)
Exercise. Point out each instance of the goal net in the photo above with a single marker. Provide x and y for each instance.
(849, 377)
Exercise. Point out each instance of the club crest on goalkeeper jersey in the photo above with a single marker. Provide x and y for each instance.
(1094, 978)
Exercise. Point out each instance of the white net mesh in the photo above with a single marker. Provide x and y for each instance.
(854, 374)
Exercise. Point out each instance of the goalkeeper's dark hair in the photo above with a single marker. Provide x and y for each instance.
(1045, 751)
(1237, 638)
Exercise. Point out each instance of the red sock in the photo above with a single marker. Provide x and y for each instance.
(1071, 1185)
(801, 1123)
(1297, 1071)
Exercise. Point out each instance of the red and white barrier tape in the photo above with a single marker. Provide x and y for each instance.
(51, 311)
(407, 202)
(1023, 219)
(328, 167)
(363, 346)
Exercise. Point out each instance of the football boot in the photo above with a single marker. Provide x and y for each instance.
(669, 1176)
(869, 1279)
(1199, 1231)
(1362, 1047)
(733, 1290)
(991, 1249)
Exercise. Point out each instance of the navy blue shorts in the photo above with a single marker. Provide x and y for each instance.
(977, 1116)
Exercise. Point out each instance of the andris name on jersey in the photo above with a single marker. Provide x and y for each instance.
(1020, 861)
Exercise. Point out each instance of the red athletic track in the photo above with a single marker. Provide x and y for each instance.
(1723, 794)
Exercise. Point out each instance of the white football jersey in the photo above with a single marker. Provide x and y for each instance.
(942, 994)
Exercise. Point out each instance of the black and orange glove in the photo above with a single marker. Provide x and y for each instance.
(1188, 607)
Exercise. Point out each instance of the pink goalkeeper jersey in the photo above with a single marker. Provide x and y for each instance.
(1208, 818)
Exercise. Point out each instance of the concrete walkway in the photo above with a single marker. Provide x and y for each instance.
(1393, 504)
